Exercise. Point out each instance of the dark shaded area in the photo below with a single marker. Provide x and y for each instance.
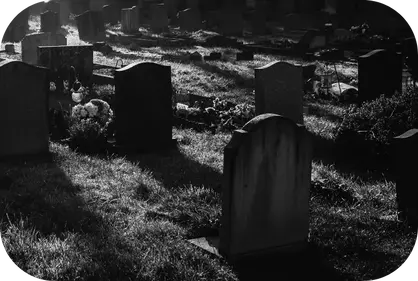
(311, 264)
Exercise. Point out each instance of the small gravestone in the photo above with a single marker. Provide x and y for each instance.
(129, 20)
(143, 106)
(50, 22)
(265, 198)
(59, 59)
(213, 56)
(159, 19)
(9, 48)
(279, 90)
(31, 42)
(190, 19)
(379, 72)
(23, 109)
(110, 14)
(405, 153)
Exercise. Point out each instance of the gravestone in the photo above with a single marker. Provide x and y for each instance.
(405, 151)
(17, 28)
(90, 25)
(59, 59)
(64, 12)
(110, 14)
(31, 42)
(129, 20)
(159, 19)
(266, 183)
(190, 19)
(50, 22)
(171, 6)
(23, 109)
(279, 90)
(143, 105)
(230, 22)
(379, 72)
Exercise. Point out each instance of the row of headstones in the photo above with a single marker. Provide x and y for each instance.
(267, 164)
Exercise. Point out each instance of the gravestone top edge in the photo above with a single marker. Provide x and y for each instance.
(278, 62)
(11, 62)
(408, 134)
(371, 53)
(258, 121)
(142, 63)
(60, 46)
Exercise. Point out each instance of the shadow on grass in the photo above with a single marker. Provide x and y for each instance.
(174, 169)
(239, 81)
(351, 158)
(310, 262)
(49, 200)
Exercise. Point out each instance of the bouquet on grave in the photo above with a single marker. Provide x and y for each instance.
(96, 109)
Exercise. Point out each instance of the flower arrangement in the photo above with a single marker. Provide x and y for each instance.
(90, 123)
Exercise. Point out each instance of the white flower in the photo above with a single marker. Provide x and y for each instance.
(91, 109)
(76, 110)
(83, 112)
(52, 86)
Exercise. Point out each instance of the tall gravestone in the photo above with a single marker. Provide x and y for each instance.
(379, 72)
(23, 109)
(111, 14)
(190, 19)
(129, 20)
(143, 106)
(279, 90)
(50, 22)
(159, 19)
(59, 59)
(405, 153)
(90, 25)
(266, 183)
(31, 42)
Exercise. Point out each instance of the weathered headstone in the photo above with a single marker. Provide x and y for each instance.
(190, 19)
(379, 72)
(31, 42)
(279, 90)
(23, 109)
(143, 104)
(111, 14)
(129, 20)
(265, 197)
(90, 25)
(405, 153)
(50, 22)
(159, 19)
(59, 59)
(230, 22)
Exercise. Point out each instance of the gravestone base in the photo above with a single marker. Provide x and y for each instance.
(211, 245)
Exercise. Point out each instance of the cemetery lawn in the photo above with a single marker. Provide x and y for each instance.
(120, 218)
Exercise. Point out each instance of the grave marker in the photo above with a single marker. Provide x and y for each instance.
(90, 25)
(31, 42)
(143, 105)
(190, 19)
(379, 72)
(129, 20)
(50, 22)
(279, 90)
(404, 154)
(23, 109)
(110, 14)
(60, 58)
(159, 19)
(265, 198)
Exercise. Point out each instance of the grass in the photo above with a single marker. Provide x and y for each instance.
(127, 218)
